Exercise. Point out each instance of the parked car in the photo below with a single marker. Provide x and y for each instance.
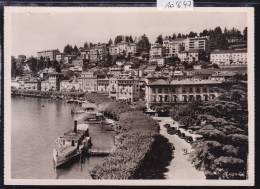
(171, 130)
(167, 125)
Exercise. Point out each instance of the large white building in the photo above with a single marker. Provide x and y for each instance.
(199, 43)
(189, 56)
(123, 47)
(157, 51)
(48, 54)
(173, 47)
(164, 92)
(229, 57)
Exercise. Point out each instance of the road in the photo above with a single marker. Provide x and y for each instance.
(180, 167)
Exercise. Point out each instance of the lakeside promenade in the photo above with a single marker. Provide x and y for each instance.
(180, 167)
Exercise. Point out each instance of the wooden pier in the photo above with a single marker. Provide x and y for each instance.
(97, 152)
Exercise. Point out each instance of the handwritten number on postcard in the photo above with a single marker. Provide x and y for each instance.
(175, 4)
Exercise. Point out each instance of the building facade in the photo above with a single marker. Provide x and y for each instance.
(98, 52)
(173, 47)
(48, 54)
(88, 82)
(157, 51)
(189, 56)
(229, 57)
(199, 43)
(124, 89)
(165, 92)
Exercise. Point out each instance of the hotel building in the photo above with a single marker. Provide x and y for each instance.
(166, 92)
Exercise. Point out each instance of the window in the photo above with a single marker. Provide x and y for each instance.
(191, 90)
(159, 90)
(198, 90)
(183, 90)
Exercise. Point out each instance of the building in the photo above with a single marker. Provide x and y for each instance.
(78, 61)
(60, 57)
(103, 85)
(115, 70)
(131, 49)
(157, 51)
(84, 53)
(237, 43)
(167, 92)
(123, 48)
(160, 61)
(54, 81)
(229, 57)
(88, 82)
(98, 52)
(48, 54)
(69, 85)
(68, 59)
(197, 43)
(189, 55)
(113, 50)
(173, 47)
(124, 89)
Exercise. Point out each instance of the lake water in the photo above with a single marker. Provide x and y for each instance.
(36, 123)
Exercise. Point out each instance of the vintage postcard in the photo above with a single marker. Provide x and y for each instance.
(129, 96)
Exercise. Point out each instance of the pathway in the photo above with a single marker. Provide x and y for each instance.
(180, 167)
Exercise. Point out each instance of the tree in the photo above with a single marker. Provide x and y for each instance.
(245, 33)
(204, 33)
(159, 39)
(143, 45)
(174, 36)
(110, 42)
(68, 49)
(192, 34)
(13, 67)
(32, 63)
(118, 39)
(86, 45)
(179, 35)
(75, 50)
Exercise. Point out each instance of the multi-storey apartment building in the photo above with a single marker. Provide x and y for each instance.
(173, 47)
(98, 52)
(167, 92)
(229, 57)
(200, 43)
(124, 89)
(48, 54)
(123, 47)
(157, 51)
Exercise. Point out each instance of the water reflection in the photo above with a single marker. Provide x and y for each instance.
(34, 130)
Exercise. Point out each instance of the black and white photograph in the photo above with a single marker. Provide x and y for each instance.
(128, 96)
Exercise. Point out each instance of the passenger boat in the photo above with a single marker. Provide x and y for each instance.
(72, 144)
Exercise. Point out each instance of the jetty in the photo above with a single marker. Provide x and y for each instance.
(98, 152)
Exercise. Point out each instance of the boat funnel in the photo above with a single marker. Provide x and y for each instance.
(75, 126)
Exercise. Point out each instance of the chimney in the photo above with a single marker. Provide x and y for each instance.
(75, 126)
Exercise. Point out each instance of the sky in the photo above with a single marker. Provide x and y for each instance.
(36, 31)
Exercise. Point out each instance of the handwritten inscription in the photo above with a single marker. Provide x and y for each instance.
(175, 4)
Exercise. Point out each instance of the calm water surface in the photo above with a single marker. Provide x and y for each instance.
(34, 130)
